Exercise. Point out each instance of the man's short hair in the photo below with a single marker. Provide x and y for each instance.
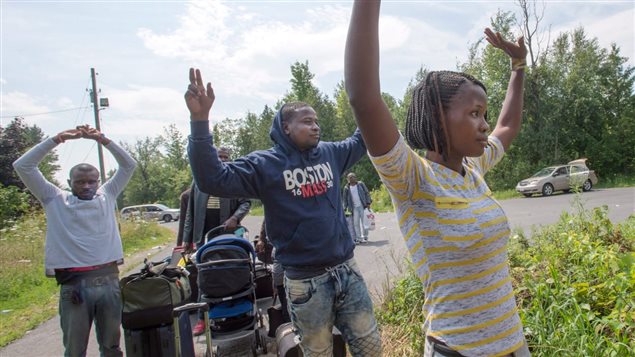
(289, 109)
(83, 167)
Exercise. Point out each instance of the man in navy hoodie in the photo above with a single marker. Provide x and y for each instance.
(297, 181)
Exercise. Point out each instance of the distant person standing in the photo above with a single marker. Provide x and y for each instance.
(356, 199)
(184, 200)
(83, 246)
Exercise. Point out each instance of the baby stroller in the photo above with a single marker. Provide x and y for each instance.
(226, 281)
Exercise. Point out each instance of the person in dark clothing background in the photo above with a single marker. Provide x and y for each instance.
(205, 212)
(183, 203)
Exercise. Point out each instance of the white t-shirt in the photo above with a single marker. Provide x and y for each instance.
(355, 196)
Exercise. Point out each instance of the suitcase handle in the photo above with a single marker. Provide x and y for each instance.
(191, 306)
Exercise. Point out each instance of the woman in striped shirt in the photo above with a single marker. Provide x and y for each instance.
(455, 231)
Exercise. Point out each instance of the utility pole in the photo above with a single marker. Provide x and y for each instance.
(100, 151)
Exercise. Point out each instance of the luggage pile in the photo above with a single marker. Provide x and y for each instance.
(149, 300)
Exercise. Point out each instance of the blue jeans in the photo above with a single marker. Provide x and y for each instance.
(361, 233)
(337, 298)
(91, 298)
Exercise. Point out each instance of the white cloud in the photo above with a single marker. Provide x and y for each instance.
(22, 104)
(618, 28)
(141, 111)
(250, 61)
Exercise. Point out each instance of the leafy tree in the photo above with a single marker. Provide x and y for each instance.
(226, 134)
(303, 90)
(175, 148)
(15, 202)
(16, 139)
(578, 102)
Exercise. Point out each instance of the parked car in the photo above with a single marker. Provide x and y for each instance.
(576, 173)
(151, 211)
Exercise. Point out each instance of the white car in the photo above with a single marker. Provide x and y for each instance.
(151, 211)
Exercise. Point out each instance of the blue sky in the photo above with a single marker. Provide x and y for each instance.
(142, 51)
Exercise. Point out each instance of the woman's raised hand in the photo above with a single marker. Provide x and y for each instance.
(514, 50)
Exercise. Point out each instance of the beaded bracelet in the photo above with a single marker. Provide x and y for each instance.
(519, 63)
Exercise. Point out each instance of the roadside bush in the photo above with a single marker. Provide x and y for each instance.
(14, 204)
(575, 289)
(575, 286)
(381, 200)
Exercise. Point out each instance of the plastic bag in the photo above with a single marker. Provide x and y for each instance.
(369, 219)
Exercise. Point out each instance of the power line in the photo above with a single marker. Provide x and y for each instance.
(80, 114)
(34, 114)
(89, 151)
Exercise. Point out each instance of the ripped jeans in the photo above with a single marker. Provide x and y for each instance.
(337, 298)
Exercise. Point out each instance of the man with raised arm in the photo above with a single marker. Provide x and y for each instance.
(83, 246)
(298, 183)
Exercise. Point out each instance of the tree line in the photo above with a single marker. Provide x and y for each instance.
(579, 102)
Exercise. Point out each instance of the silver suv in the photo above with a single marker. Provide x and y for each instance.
(151, 211)
(559, 178)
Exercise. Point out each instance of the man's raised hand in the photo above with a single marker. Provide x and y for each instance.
(198, 98)
(69, 134)
(92, 133)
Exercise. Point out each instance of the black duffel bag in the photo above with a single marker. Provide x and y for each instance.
(148, 297)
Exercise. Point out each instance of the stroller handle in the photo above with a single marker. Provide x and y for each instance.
(220, 229)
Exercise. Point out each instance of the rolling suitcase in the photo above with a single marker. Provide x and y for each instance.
(183, 339)
(150, 342)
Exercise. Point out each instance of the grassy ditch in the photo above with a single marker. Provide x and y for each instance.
(27, 297)
(574, 285)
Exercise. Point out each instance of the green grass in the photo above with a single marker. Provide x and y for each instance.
(27, 297)
(506, 194)
(258, 210)
(574, 283)
(616, 181)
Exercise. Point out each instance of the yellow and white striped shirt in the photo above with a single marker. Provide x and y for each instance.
(457, 237)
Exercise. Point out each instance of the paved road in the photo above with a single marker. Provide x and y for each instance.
(380, 260)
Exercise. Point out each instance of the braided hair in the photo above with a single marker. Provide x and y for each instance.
(426, 121)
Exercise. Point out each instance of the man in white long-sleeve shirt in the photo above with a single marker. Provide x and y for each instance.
(83, 245)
